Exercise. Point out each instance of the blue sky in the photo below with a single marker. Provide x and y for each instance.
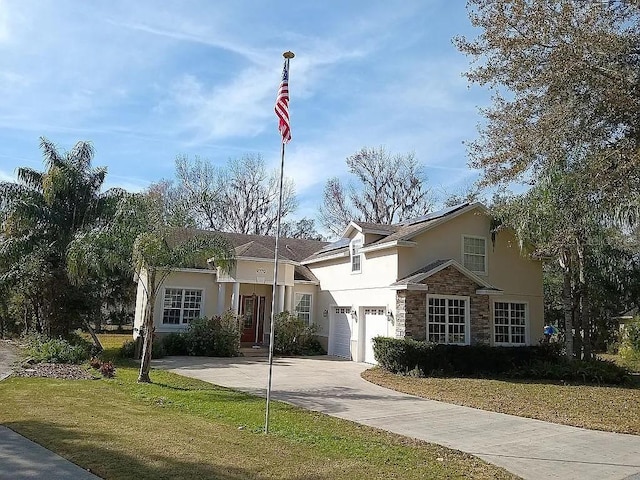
(146, 81)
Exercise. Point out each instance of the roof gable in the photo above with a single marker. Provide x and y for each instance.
(417, 277)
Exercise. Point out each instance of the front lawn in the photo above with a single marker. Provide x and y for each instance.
(184, 428)
(613, 409)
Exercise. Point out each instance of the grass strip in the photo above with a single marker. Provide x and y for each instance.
(608, 408)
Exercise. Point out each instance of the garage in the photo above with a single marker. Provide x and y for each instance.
(340, 332)
(375, 325)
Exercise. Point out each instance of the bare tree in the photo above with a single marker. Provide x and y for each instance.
(241, 197)
(303, 228)
(389, 188)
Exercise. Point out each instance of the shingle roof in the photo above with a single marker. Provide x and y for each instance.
(416, 276)
(400, 231)
(303, 273)
(377, 226)
(258, 246)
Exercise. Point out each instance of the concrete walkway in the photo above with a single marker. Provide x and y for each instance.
(22, 459)
(529, 448)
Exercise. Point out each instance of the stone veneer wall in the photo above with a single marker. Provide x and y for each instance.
(411, 306)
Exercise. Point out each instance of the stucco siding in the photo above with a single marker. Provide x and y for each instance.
(204, 280)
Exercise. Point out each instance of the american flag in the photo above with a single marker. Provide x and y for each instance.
(282, 105)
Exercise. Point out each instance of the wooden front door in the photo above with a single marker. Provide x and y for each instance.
(252, 315)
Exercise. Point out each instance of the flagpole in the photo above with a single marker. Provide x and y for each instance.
(287, 56)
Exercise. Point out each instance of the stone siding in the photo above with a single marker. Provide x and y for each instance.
(411, 306)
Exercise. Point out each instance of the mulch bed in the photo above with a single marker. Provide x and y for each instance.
(55, 370)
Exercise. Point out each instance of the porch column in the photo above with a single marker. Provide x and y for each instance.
(222, 293)
(280, 299)
(235, 298)
(288, 298)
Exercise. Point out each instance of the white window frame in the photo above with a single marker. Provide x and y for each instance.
(510, 343)
(296, 302)
(182, 320)
(356, 242)
(467, 317)
(485, 255)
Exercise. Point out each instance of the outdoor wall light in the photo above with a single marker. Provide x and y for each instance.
(354, 314)
(325, 313)
(390, 316)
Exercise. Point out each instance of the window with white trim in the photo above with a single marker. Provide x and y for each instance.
(303, 307)
(448, 319)
(509, 323)
(356, 256)
(474, 254)
(181, 305)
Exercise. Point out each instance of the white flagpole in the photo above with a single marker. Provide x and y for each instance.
(287, 56)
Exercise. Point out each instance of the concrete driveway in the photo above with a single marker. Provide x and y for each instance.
(529, 448)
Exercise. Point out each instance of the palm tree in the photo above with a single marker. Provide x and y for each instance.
(42, 213)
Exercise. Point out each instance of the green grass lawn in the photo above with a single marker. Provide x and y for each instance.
(613, 409)
(184, 428)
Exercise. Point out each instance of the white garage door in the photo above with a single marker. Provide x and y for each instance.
(375, 325)
(340, 334)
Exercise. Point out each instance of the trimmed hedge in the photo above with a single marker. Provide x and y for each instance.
(406, 356)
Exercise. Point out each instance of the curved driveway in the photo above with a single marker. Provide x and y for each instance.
(529, 448)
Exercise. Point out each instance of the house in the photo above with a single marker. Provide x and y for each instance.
(441, 277)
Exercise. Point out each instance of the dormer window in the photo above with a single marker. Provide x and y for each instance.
(474, 254)
(356, 260)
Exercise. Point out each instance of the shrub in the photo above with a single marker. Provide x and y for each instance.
(218, 336)
(540, 362)
(108, 370)
(128, 349)
(583, 371)
(95, 363)
(175, 343)
(630, 346)
(43, 350)
(295, 337)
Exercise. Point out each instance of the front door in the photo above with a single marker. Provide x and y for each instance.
(252, 315)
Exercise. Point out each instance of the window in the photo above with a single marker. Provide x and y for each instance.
(303, 307)
(474, 254)
(509, 323)
(181, 305)
(447, 319)
(356, 265)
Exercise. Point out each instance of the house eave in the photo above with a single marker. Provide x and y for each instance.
(328, 257)
(418, 287)
(384, 246)
(268, 260)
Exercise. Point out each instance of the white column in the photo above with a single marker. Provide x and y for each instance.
(280, 299)
(222, 293)
(288, 299)
(235, 297)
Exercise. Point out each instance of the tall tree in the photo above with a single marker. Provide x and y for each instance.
(564, 119)
(43, 212)
(388, 188)
(242, 197)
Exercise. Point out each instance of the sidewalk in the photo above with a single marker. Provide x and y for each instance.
(22, 459)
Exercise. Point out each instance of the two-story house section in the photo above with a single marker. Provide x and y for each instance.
(441, 278)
